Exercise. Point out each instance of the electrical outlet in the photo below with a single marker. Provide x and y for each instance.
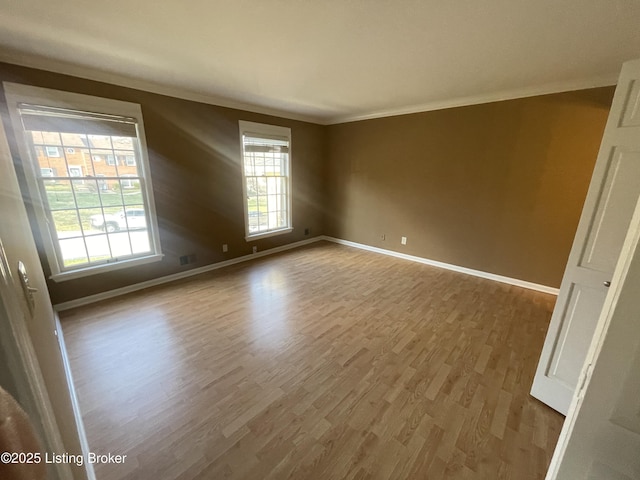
(225, 248)
(307, 231)
(383, 237)
(403, 240)
(255, 249)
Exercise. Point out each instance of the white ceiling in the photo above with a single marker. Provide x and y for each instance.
(329, 60)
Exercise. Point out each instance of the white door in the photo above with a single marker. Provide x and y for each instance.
(29, 331)
(600, 439)
(21, 375)
(610, 202)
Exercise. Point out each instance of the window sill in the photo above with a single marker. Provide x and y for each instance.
(270, 233)
(108, 267)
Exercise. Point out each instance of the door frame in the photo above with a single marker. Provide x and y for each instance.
(578, 276)
(631, 244)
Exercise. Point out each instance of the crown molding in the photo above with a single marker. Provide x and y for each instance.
(546, 89)
(67, 68)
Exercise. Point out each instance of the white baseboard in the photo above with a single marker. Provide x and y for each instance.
(177, 276)
(82, 435)
(448, 266)
(196, 271)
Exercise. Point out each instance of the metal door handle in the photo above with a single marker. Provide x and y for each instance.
(607, 284)
(26, 288)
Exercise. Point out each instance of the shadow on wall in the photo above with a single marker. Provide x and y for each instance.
(194, 154)
(195, 163)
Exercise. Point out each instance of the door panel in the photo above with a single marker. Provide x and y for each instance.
(631, 114)
(578, 325)
(613, 211)
(600, 438)
(607, 212)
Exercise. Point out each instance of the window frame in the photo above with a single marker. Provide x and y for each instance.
(51, 173)
(49, 148)
(258, 129)
(126, 177)
(18, 93)
(74, 170)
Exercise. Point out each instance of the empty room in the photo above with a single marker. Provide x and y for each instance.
(319, 240)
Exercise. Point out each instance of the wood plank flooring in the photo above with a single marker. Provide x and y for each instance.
(324, 362)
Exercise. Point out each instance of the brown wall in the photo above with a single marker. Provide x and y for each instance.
(194, 155)
(496, 187)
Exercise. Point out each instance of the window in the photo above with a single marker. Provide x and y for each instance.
(53, 152)
(75, 171)
(93, 217)
(102, 183)
(128, 182)
(130, 161)
(266, 155)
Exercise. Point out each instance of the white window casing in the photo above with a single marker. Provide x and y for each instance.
(266, 179)
(53, 152)
(39, 111)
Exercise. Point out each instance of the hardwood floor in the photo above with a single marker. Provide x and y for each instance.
(324, 362)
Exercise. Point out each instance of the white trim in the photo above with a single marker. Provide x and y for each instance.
(71, 100)
(595, 347)
(16, 93)
(270, 233)
(448, 266)
(47, 152)
(178, 276)
(105, 267)
(269, 129)
(79, 302)
(51, 65)
(65, 68)
(84, 443)
(266, 130)
(499, 96)
(629, 252)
